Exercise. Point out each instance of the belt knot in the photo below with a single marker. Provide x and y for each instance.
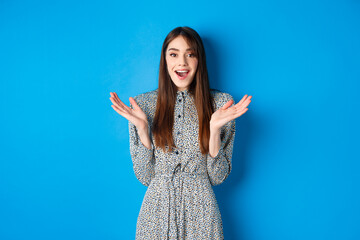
(176, 170)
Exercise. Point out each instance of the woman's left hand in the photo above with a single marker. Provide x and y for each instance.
(226, 113)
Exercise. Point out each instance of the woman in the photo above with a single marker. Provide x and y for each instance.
(181, 143)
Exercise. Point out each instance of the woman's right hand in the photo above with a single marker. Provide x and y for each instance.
(136, 116)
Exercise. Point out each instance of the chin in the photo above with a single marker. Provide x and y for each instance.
(182, 84)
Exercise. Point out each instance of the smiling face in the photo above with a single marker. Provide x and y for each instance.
(181, 62)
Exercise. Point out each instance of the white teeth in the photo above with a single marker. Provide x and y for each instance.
(182, 71)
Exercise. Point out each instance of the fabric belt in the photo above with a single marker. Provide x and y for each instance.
(175, 230)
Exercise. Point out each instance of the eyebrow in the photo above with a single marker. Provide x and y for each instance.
(175, 49)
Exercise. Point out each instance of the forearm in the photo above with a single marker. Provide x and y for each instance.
(220, 144)
(144, 136)
(142, 156)
(214, 142)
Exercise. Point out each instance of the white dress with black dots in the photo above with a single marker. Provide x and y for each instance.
(179, 202)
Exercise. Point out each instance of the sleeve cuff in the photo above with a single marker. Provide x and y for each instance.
(144, 151)
(219, 154)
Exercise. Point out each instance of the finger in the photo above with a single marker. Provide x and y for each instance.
(112, 95)
(121, 112)
(241, 112)
(243, 104)
(121, 106)
(117, 99)
(126, 115)
(243, 99)
(238, 108)
(134, 104)
(241, 108)
(246, 103)
(124, 106)
(231, 117)
(228, 104)
(116, 103)
(112, 99)
(120, 103)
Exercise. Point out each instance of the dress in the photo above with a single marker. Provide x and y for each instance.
(179, 202)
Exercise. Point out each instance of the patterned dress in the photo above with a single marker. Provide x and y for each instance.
(179, 202)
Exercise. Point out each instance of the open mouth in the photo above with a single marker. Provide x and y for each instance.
(182, 73)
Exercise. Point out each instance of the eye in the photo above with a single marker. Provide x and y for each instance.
(172, 54)
(191, 55)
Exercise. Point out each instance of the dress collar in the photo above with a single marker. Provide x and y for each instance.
(184, 93)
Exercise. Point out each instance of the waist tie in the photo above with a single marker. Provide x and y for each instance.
(175, 231)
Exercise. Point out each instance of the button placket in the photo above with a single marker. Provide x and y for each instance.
(179, 113)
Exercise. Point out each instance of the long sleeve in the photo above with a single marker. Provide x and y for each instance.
(219, 167)
(143, 158)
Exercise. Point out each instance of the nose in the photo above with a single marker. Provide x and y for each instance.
(182, 61)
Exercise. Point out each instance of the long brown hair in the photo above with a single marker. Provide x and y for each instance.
(199, 88)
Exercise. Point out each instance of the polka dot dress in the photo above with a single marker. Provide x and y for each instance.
(179, 202)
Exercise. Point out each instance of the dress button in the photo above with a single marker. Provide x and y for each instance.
(177, 152)
(178, 133)
(179, 116)
(179, 100)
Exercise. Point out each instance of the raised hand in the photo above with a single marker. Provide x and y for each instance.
(135, 115)
(226, 113)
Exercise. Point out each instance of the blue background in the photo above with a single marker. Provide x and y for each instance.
(65, 169)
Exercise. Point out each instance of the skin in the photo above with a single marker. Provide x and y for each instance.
(180, 56)
(135, 116)
(222, 116)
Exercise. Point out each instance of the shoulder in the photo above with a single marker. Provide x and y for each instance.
(220, 98)
(146, 96)
(147, 100)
